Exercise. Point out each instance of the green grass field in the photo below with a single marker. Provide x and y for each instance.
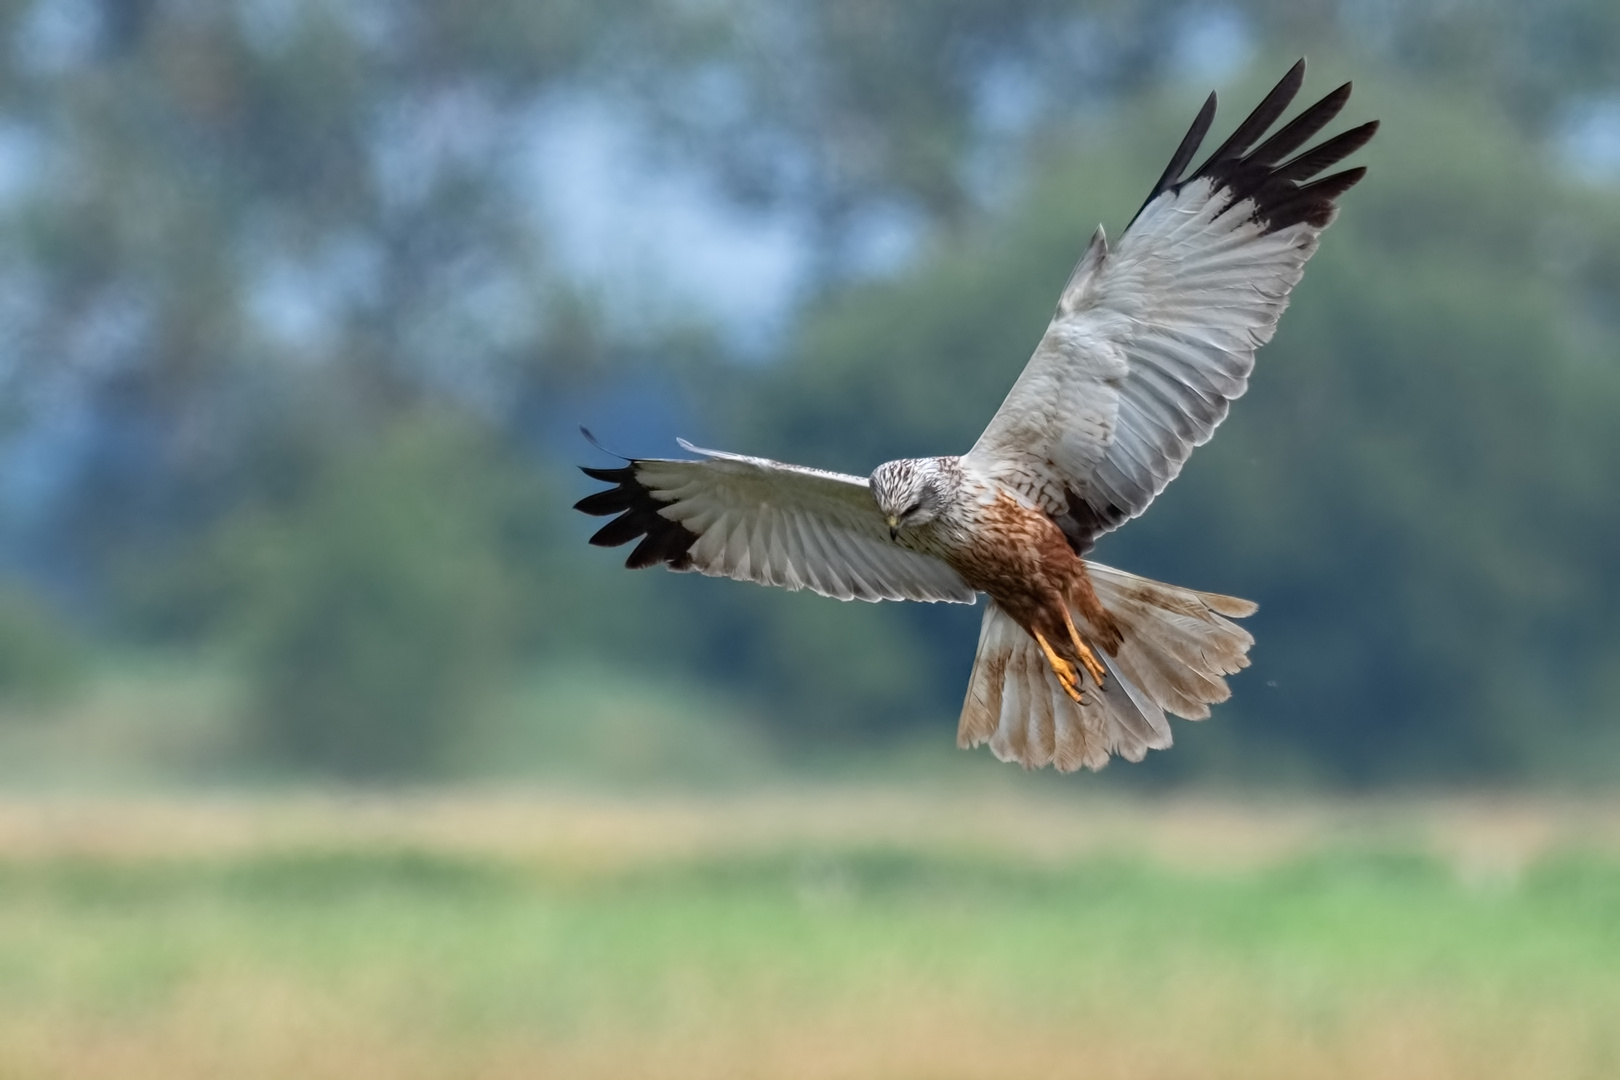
(826, 933)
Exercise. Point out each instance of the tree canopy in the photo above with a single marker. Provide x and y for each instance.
(294, 354)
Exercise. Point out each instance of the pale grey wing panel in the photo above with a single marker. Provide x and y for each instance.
(1144, 357)
(1152, 342)
(757, 520)
(1054, 429)
(1197, 287)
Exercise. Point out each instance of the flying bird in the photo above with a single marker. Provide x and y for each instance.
(1152, 340)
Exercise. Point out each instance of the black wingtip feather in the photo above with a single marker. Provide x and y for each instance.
(1258, 122)
(1331, 152)
(1314, 203)
(1279, 194)
(609, 476)
(1184, 153)
(613, 500)
(1294, 134)
(666, 546)
(665, 541)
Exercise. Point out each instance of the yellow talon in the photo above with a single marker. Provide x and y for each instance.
(1087, 657)
(1067, 676)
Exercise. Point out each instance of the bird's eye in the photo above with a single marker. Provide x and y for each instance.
(912, 509)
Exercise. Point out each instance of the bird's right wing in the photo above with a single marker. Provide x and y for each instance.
(757, 520)
(1152, 340)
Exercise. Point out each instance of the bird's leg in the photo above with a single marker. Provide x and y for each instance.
(1087, 657)
(1067, 676)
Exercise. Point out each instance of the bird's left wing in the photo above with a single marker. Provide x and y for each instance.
(757, 520)
(1153, 340)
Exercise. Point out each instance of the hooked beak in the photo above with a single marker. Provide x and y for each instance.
(894, 527)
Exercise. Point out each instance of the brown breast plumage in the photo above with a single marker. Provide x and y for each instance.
(1018, 555)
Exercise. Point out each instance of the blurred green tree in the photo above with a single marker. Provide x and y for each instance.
(377, 610)
(41, 657)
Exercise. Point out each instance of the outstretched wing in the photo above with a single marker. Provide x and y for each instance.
(1153, 340)
(757, 520)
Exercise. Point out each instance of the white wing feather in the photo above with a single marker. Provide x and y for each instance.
(1150, 345)
(763, 521)
(1153, 341)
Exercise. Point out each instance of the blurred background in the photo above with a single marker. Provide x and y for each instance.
(301, 305)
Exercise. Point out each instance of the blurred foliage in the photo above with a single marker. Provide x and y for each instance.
(291, 355)
(375, 610)
(42, 659)
(582, 721)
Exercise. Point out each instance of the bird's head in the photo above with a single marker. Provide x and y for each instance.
(910, 492)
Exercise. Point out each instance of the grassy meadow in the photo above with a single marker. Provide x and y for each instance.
(818, 931)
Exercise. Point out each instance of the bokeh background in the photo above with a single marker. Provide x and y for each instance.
(328, 746)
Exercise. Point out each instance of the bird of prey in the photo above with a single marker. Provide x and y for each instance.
(1152, 339)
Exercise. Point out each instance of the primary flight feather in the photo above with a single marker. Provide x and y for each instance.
(1152, 340)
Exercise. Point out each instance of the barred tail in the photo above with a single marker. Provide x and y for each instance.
(1178, 645)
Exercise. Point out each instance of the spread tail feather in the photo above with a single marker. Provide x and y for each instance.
(1016, 704)
(1178, 645)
